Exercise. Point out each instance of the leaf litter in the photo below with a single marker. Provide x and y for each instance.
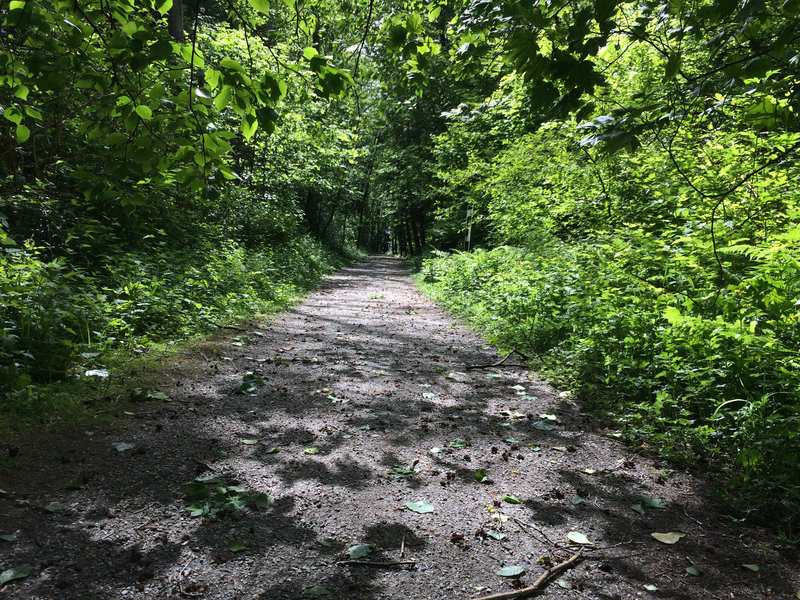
(293, 514)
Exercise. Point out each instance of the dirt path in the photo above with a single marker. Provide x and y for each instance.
(365, 375)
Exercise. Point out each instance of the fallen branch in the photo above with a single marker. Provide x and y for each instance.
(375, 563)
(539, 583)
(500, 362)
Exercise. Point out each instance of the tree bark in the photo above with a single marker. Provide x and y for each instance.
(175, 21)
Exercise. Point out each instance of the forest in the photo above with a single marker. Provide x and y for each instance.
(609, 189)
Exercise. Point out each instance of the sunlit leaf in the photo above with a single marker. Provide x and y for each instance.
(419, 507)
(511, 571)
(670, 537)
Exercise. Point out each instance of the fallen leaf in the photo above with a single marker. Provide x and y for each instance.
(511, 499)
(548, 417)
(563, 583)
(577, 500)
(361, 550)
(511, 571)
(482, 477)
(754, 568)
(560, 448)
(496, 535)
(249, 442)
(590, 471)
(316, 591)
(694, 570)
(650, 587)
(7, 537)
(670, 537)
(123, 446)
(311, 450)
(544, 425)
(15, 573)
(54, 507)
(419, 507)
(576, 537)
(236, 546)
(272, 450)
(458, 443)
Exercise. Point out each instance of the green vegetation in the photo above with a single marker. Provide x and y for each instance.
(623, 176)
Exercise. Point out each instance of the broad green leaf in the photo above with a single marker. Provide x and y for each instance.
(511, 499)
(261, 6)
(16, 573)
(250, 442)
(576, 537)
(361, 550)
(496, 535)
(236, 546)
(511, 571)
(482, 477)
(652, 502)
(21, 92)
(650, 587)
(419, 507)
(311, 450)
(197, 490)
(694, 570)
(670, 537)
(22, 133)
(458, 443)
(143, 111)
(54, 507)
(165, 7)
(7, 537)
(673, 65)
(544, 425)
(754, 568)
(577, 500)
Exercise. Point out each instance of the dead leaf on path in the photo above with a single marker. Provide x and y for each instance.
(671, 537)
(576, 537)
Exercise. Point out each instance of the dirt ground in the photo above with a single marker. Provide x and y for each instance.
(348, 412)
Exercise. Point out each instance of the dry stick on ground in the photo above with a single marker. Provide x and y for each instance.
(500, 362)
(539, 583)
(375, 563)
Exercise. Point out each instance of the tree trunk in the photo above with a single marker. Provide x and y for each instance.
(175, 20)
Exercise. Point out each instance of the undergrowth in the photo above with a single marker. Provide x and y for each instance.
(711, 377)
(65, 323)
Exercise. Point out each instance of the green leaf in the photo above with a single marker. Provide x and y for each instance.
(236, 546)
(650, 587)
(754, 568)
(673, 65)
(361, 550)
(261, 6)
(16, 573)
(272, 450)
(165, 7)
(544, 425)
(317, 591)
(419, 507)
(143, 111)
(197, 490)
(54, 507)
(511, 499)
(311, 450)
(482, 477)
(22, 133)
(458, 443)
(21, 92)
(122, 446)
(7, 537)
(694, 570)
(511, 571)
(496, 535)
(250, 442)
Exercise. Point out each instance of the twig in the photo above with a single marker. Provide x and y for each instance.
(497, 364)
(539, 583)
(375, 563)
(185, 593)
(688, 516)
(403, 543)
